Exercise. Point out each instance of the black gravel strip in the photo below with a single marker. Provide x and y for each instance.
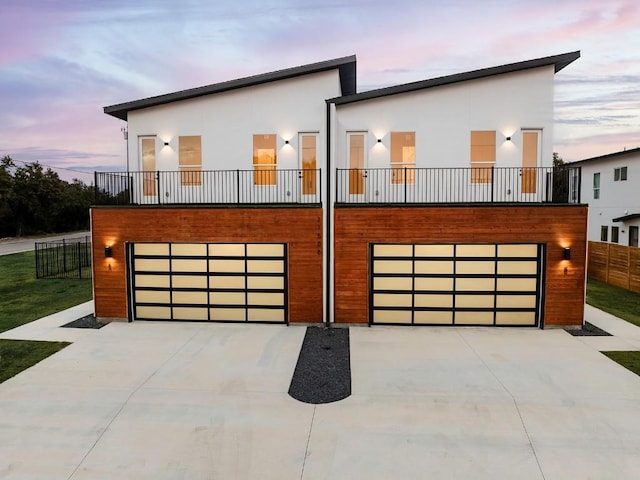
(588, 330)
(323, 371)
(85, 322)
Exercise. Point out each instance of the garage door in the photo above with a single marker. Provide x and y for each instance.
(234, 282)
(456, 284)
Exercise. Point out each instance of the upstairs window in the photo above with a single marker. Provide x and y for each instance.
(264, 159)
(596, 186)
(190, 159)
(619, 174)
(483, 155)
(604, 233)
(403, 157)
(614, 234)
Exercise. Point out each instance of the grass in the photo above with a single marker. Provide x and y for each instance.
(18, 355)
(629, 360)
(24, 299)
(614, 300)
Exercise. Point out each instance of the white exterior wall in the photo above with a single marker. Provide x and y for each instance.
(227, 122)
(616, 198)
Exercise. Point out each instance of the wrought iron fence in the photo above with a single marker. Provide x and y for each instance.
(262, 185)
(64, 259)
(458, 185)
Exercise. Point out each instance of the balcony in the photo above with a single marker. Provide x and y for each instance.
(458, 185)
(219, 187)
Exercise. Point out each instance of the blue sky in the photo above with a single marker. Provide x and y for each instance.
(61, 61)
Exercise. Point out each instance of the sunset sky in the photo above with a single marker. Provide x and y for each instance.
(61, 61)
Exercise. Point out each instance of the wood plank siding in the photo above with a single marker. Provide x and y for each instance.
(617, 265)
(300, 228)
(555, 226)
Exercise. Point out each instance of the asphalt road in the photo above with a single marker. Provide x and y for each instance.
(9, 246)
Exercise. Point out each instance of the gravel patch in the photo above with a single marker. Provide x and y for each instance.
(588, 330)
(88, 321)
(323, 371)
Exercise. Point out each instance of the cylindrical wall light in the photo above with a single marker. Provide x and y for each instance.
(107, 252)
(567, 253)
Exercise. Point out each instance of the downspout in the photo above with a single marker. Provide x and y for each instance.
(328, 207)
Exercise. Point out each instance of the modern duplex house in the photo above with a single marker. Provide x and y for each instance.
(291, 197)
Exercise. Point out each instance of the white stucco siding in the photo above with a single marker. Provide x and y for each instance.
(443, 117)
(227, 122)
(616, 199)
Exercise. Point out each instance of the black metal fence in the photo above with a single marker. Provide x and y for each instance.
(263, 185)
(458, 185)
(64, 259)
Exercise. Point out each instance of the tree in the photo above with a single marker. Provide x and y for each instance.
(560, 180)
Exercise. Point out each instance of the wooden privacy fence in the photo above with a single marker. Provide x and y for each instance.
(615, 264)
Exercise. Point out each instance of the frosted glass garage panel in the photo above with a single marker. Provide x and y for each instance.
(525, 250)
(517, 267)
(265, 266)
(151, 249)
(392, 250)
(153, 296)
(475, 251)
(190, 313)
(392, 283)
(151, 265)
(153, 281)
(227, 298)
(392, 300)
(425, 300)
(227, 282)
(228, 314)
(434, 250)
(516, 301)
(433, 283)
(392, 266)
(475, 301)
(189, 281)
(265, 250)
(478, 284)
(438, 318)
(474, 318)
(181, 265)
(392, 316)
(466, 267)
(227, 266)
(265, 315)
(226, 249)
(516, 284)
(189, 249)
(265, 283)
(258, 298)
(516, 318)
(155, 313)
(436, 267)
(190, 297)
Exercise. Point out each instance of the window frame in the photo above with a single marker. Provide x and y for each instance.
(604, 233)
(633, 237)
(264, 173)
(402, 171)
(620, 174)
(615, 234)
(596, 185)
(190, 160)
(482, 156)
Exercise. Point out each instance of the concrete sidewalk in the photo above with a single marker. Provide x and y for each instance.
(153, 400)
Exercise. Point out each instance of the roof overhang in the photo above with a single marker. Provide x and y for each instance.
(558, 62)
(625, 218)
(346, 67)
(609, 156)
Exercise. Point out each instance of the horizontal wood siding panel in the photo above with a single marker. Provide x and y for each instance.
(300, 228)
(634, 269)
(615, 264)
(555, 226)
(598, 259)
(618, 268)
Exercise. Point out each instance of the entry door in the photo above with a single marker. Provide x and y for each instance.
(357, 162)
(530, 161)
(633, 236)
(308, 154)
(148, 163)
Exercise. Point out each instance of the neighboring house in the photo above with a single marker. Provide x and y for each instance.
(290, 197)
(611, 187)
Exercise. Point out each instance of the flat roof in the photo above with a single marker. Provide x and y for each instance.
(558, 61)
(346, 67)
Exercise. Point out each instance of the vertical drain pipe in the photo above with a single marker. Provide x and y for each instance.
(328, 222)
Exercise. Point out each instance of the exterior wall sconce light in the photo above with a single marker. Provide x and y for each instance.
(508, 139)
(286, 142)
(107, 252)
(379, 140)
(166, 144)
(567, 253)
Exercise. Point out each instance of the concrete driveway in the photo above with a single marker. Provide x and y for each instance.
(200, 401)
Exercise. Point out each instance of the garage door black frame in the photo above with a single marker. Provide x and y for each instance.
(131, 287)
(540, 286)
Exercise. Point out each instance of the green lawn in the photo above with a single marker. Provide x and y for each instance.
(629, 360)
(616, 301)
(24, 299)
(18, 355)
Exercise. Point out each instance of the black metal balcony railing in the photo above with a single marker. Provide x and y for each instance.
(458, 185)
(228, 187)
